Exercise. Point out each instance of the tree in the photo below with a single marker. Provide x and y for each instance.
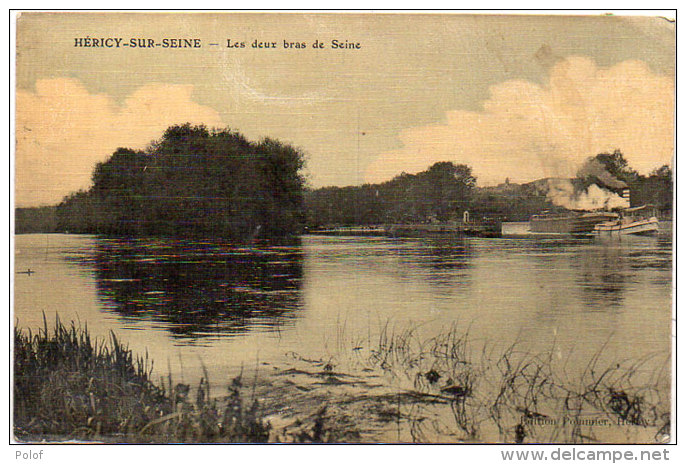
(440, 193)
(448, 188)
(193, 181)
(608, 168)
(656, 189)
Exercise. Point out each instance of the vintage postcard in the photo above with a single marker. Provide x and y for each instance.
(302, 227)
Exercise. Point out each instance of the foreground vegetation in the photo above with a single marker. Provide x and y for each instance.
(515, 396)
(67, 386)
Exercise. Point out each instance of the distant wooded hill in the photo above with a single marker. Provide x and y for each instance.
(445, 190)
(441, 193)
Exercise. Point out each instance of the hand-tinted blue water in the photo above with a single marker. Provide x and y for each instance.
(190, 303)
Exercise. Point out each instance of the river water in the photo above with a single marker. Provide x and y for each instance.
(191, 303)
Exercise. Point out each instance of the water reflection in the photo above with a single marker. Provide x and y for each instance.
(445, 260)
(190, 299)
(199, 288)
(603, 276)
(610, 267)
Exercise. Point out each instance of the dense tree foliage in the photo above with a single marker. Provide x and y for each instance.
(40, 219)
(192, 181)
(655, 189)
(605, 169)
(441, 193)
(511, 202)
(617, 166)
(199, 182)
(446, 190)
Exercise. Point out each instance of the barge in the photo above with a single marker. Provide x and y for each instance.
(580, 223)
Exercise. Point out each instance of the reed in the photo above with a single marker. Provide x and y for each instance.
(443, 388)
(515, 396)
(69, 386)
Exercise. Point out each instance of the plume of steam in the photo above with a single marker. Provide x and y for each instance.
(598, 195)
(562, 193)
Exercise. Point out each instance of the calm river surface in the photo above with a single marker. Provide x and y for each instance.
(190, 303)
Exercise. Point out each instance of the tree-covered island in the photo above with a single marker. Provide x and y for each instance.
(193, 181)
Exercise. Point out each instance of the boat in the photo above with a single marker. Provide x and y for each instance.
(629, 224)
(576, 223)
(628, 227)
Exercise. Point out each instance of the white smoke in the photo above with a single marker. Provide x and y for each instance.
(562, 193)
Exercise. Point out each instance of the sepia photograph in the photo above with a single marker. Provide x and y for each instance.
(343, 227)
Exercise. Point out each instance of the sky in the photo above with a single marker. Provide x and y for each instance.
(519, 97)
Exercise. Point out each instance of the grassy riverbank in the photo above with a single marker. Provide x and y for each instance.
(401, 388)
(67, 386)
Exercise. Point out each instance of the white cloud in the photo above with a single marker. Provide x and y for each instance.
(527, 131)
(62, 130)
